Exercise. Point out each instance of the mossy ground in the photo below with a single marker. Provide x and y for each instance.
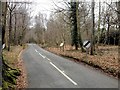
(10, 72)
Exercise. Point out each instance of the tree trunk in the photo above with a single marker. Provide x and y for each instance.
(4, 22)
(15, 40)
(93, 29)
(10, 29)
(108, 30)
(78, 27)
(99, 31)
(73, 19)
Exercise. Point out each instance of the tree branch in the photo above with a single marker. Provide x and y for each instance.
(112, 7)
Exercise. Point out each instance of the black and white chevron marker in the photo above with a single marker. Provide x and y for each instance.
(86, 44)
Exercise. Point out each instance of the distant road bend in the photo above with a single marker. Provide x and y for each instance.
(47, 70)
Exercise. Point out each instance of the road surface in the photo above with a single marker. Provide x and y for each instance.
(47, 70)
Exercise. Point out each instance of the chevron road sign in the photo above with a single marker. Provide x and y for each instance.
(86, 44)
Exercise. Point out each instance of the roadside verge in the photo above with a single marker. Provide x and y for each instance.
(105, 61)
(22, 79)
(14, 63)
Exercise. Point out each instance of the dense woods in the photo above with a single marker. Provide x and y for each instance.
(84, 23)
(72, 24)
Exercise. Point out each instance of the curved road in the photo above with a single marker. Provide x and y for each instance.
(47, 70)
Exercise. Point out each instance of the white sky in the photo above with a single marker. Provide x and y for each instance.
(43, 6)
(47, 6)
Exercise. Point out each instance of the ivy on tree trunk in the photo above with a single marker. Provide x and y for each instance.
(73, 19)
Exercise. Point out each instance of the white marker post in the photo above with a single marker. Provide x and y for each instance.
(3, 46)
(62, 46)
(86, 45)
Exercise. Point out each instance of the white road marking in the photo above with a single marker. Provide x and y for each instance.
(41, 55)
(48, 59)
(63, 74)
(36, 50)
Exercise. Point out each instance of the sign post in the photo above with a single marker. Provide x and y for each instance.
(86, 45)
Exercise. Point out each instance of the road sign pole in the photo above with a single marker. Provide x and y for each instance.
(86, 54)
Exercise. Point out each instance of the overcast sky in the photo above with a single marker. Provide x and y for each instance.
(47, 6)
(44, 6)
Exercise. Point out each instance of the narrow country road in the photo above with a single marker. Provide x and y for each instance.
(47, 70)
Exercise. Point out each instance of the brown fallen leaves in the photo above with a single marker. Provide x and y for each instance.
(106, 58)
(13, 59)
(22, 79)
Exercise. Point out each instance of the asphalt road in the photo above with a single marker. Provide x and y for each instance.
(47, 70)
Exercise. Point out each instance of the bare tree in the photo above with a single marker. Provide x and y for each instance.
(71, 13)
(40, 28)
(15, 28)
(11, 7)
(108, 16)
(99, 23)
(58, 29)
(22, 21)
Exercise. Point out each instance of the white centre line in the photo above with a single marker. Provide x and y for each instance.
(41, 55)
(63, 74)
(48, 59)
(36, 50)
